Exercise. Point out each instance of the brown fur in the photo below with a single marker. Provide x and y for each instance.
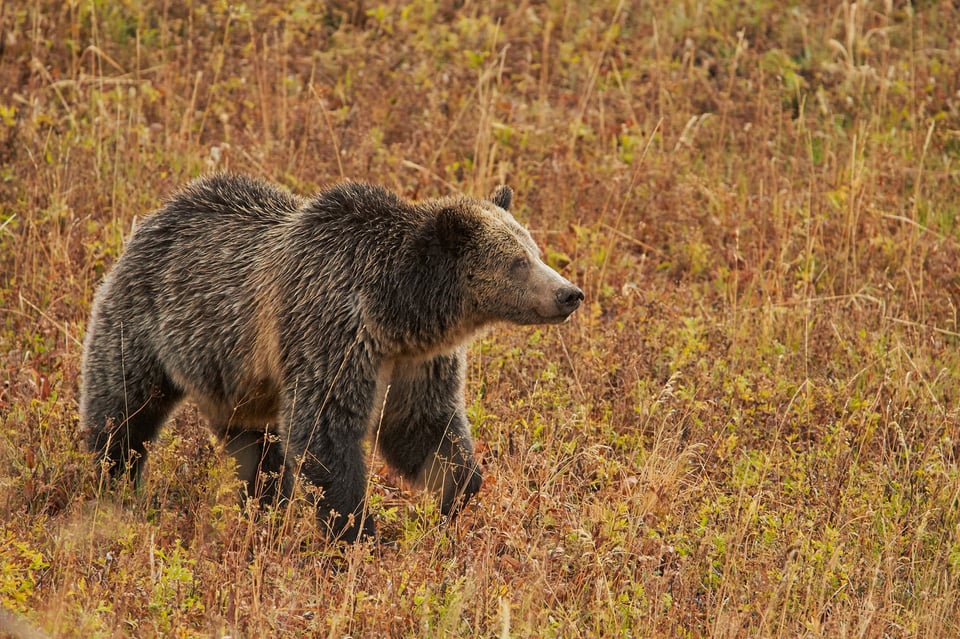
(298, 325)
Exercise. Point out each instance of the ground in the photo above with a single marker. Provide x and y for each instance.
(750, 429)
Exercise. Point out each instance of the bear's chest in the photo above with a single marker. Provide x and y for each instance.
(381, 391)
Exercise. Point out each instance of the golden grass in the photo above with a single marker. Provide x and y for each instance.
(751, 429)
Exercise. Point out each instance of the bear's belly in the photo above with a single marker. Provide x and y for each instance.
(253, 408)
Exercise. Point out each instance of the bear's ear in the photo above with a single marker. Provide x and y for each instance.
(502, 197)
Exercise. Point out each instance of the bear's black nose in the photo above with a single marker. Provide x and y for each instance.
(569, 298)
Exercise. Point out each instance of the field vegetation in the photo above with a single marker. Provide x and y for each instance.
(752, 427)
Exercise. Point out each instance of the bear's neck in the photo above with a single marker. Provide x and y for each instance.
(417, 308)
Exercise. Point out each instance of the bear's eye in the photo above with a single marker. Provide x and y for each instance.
(519, 264)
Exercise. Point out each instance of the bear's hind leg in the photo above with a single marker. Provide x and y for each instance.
(121, 416)
(261, 465)
(126, 394)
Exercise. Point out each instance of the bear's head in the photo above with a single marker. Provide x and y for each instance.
(502, 275)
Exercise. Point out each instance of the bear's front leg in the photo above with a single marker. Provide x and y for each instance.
(424, 433)
(451, 471)
(326, 425)
(338, 468)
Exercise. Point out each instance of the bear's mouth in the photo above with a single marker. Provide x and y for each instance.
(566, 301)
(558, 318)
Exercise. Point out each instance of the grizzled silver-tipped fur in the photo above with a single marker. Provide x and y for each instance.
(295, 323)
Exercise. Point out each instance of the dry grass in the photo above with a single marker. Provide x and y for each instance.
(751, 429)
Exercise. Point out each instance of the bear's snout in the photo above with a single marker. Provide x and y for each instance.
(568, 299)
(553, 298)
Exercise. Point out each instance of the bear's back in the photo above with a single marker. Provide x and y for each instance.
(213, 231)
(230, 198)
(202, 260)
(364, 213)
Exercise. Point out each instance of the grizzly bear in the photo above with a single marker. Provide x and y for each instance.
(299, 326)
